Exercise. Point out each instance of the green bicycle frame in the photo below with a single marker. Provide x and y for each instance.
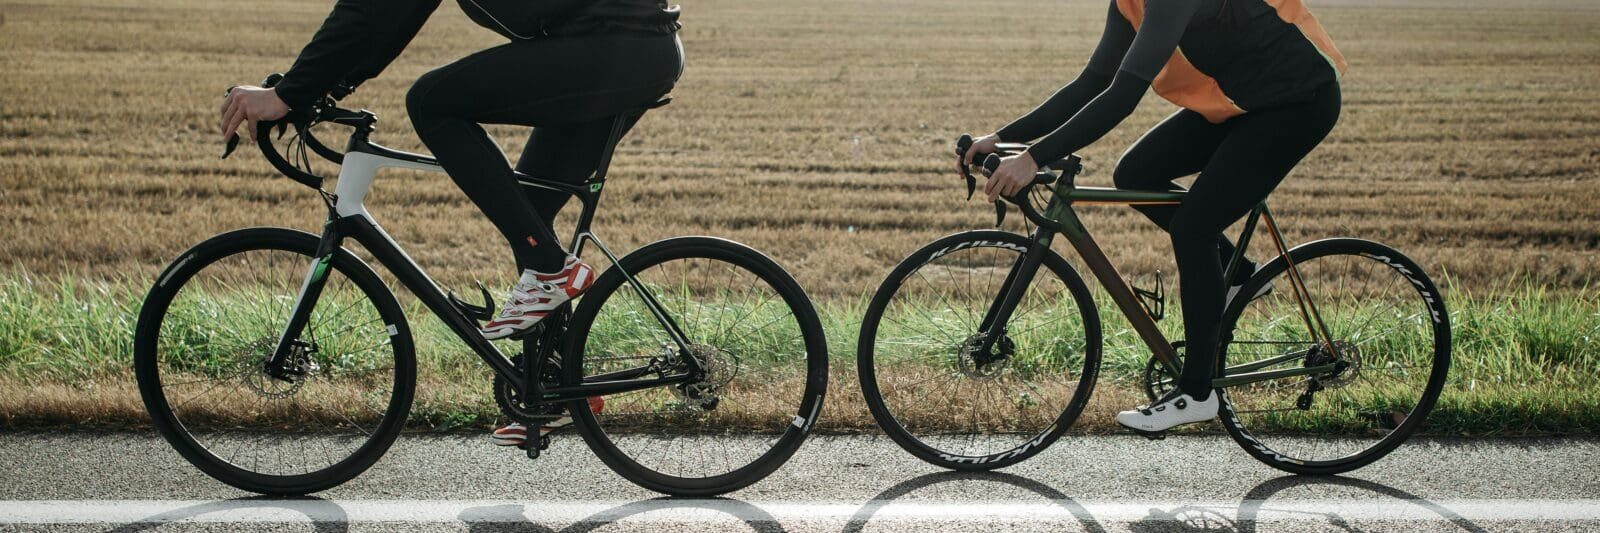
(1059, 217)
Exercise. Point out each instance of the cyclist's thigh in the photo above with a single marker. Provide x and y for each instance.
(1261, 148)
(556, 81)
(1177, 147)
(567, 153)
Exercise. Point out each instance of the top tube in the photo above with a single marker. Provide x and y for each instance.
(1107, 195)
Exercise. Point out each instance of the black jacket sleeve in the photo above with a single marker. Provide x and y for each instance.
(357, 40)
(1094, 79)
(1156, 42)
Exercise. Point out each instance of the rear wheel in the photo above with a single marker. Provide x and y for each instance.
(1390, 350)
(749, 326)
(931, 390)
(204, 335)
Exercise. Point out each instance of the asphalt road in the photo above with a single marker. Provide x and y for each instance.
(134, 482)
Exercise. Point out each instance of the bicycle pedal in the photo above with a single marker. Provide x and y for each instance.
(1152, 435)
(536, 447)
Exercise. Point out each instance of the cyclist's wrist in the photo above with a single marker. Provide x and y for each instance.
(1031, 157)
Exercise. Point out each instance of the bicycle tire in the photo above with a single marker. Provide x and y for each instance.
(869, 373)
(638, 263)
(147, 360)
(1308, 254)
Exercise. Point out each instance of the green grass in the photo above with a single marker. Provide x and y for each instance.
(1526, 360)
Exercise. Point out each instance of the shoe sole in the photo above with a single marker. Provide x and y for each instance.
(506, 440)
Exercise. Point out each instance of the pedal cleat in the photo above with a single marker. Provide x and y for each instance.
(1152, 435)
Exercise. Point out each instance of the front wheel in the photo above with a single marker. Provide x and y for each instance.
(1387, 359)
(751, 330)
(201, 345)
(926, 378)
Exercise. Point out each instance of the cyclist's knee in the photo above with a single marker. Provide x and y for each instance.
(1130, 174)
(422, 105)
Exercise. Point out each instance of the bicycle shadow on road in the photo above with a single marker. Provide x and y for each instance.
(325, 516)
(1249, 511)
(862, 517)
(508, 518)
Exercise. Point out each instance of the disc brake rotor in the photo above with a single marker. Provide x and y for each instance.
(720, 368)
(973, 363)
(266, 386)
(1344, 352)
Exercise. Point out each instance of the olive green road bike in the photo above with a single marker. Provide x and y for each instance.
(982, 348)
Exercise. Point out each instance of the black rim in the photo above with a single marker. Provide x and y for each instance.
(244, 428)
(1391, 328)
(750, 323)
(959, 276)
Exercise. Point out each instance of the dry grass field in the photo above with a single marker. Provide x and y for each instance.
(817, 131)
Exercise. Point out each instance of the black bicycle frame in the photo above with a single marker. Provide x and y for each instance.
(364, 230)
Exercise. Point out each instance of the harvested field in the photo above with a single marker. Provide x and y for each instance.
(818, 132)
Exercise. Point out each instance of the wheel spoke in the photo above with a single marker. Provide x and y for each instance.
(219, 328)
(1380, 340)
(929, 375)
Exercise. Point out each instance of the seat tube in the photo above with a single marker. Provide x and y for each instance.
(1237, 260)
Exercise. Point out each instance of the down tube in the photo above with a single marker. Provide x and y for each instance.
(387, 252)
(1112, 280)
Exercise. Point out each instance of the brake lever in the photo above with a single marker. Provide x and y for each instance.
(999, 212)
(972, 184)
(232, 144)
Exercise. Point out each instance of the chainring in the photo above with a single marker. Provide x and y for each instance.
(510, 401)
(1154, 373)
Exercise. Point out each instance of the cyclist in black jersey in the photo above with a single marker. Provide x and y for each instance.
(1258, 81)
(570, 66)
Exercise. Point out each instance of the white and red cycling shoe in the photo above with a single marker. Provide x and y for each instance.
(516, 434)
(536, 295)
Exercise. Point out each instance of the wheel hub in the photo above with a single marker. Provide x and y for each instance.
(1347, 360)
(280, 383)
(718, 368)
(972, 361)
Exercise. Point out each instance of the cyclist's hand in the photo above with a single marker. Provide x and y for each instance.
(1015, 172)
(247, 104)
(980, 146)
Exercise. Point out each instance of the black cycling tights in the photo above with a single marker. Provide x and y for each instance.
(567, 88)
(1240, 162)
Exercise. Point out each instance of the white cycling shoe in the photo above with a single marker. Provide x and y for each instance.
(1174, 409)
(536, 295)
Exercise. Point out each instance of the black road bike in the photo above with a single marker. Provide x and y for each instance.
(278, 362)
(983, 347)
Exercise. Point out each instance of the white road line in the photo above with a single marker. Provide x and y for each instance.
(506, 511)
